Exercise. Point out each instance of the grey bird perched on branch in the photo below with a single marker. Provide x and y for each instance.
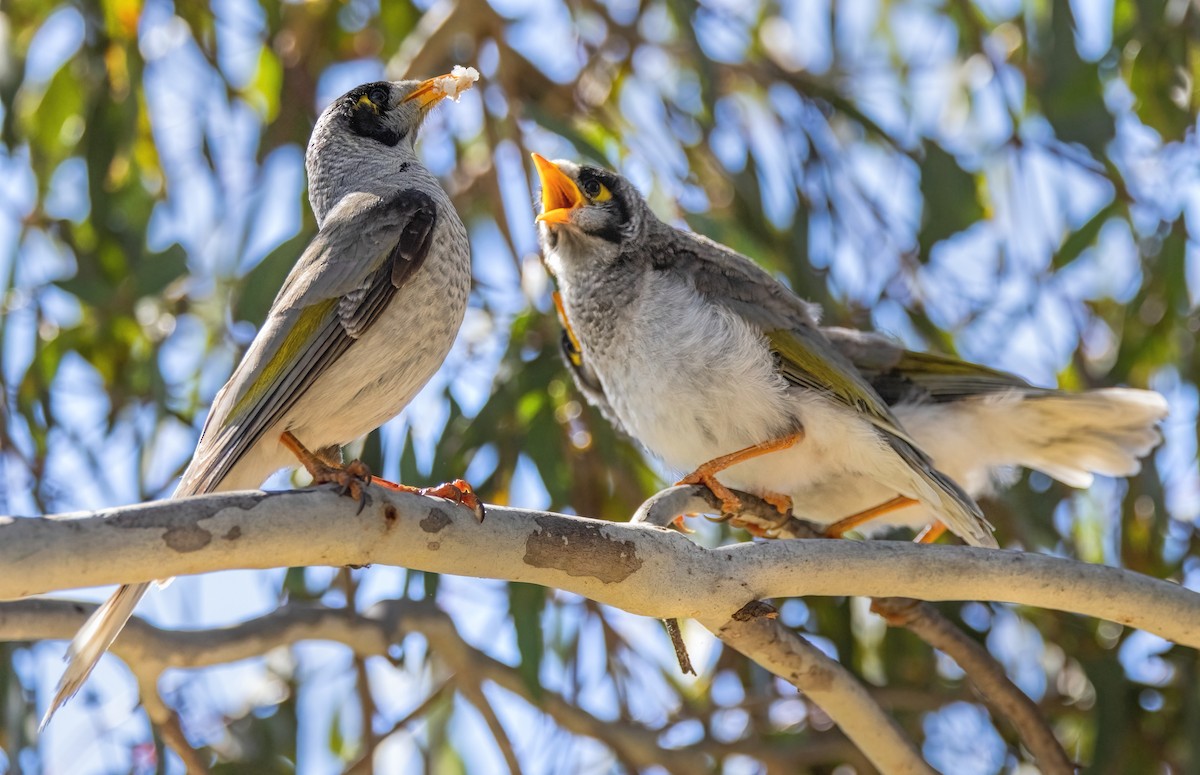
(363, 320)
(716, 368)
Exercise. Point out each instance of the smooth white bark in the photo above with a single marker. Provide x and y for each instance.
(643, 569)
(640, 568)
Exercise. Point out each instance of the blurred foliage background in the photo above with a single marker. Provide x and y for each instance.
(1015, 181)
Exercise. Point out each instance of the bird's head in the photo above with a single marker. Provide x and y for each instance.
(369, 132)
(586, 208)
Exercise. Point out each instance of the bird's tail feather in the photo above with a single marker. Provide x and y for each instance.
(92, 640)
(948, 501)
(1071, 436)
(106, 623)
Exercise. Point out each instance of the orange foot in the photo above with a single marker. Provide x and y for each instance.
(457, 491)
(351, 479)
(730, 503)
(678, 522)
(782, 503)
(706, 474)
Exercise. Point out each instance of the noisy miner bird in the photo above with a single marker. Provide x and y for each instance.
(716, 368)
(363, 320)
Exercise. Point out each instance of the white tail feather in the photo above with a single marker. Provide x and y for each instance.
(1073, 436)
(103, 626)
(1067, 436)
(92, 640)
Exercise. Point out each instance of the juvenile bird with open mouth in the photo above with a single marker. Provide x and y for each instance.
(718, 369)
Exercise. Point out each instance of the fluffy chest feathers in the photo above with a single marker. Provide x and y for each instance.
(690, 380)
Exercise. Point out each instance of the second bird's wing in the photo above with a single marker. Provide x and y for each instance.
(365, 252)
(807, 359)
(905, 376)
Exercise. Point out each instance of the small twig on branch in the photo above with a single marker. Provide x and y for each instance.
(757, 516)
(985, 673)
(365, 763)
(681, 652)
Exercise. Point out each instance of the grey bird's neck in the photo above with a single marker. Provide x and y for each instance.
(604, 293)
(360, 167)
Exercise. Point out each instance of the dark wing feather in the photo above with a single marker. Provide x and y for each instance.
(733, 280)
(905, 376)
(806, 358)
(399, 231)
(360, 308)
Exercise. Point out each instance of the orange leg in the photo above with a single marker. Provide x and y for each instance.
(846, 524)
(352, 478)
(562, 316)
(931, 533)
(457, 491)
(706, 474)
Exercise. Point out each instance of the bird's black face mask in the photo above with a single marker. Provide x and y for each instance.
(366, 109)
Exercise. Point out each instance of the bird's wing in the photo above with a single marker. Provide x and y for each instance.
(901, 375)
(366, 251)
(806, 358)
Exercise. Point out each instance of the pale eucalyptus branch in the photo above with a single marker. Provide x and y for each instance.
(921, 618)
(640, 568)
(755, 632)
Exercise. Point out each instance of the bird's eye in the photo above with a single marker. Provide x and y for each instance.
(379, 96)
(596, 191)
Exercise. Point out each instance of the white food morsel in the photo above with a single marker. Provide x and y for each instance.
(460, 79)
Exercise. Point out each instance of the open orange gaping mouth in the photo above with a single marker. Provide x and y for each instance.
(560, 195)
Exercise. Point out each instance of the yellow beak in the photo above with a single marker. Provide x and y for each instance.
(560, 195)
(429, 92)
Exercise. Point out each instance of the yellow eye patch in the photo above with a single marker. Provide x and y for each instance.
(365, 100)
(603, 195)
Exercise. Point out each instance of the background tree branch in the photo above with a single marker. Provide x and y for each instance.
(148, 651)
(986, 674)
(762, 638)
(920, 618)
